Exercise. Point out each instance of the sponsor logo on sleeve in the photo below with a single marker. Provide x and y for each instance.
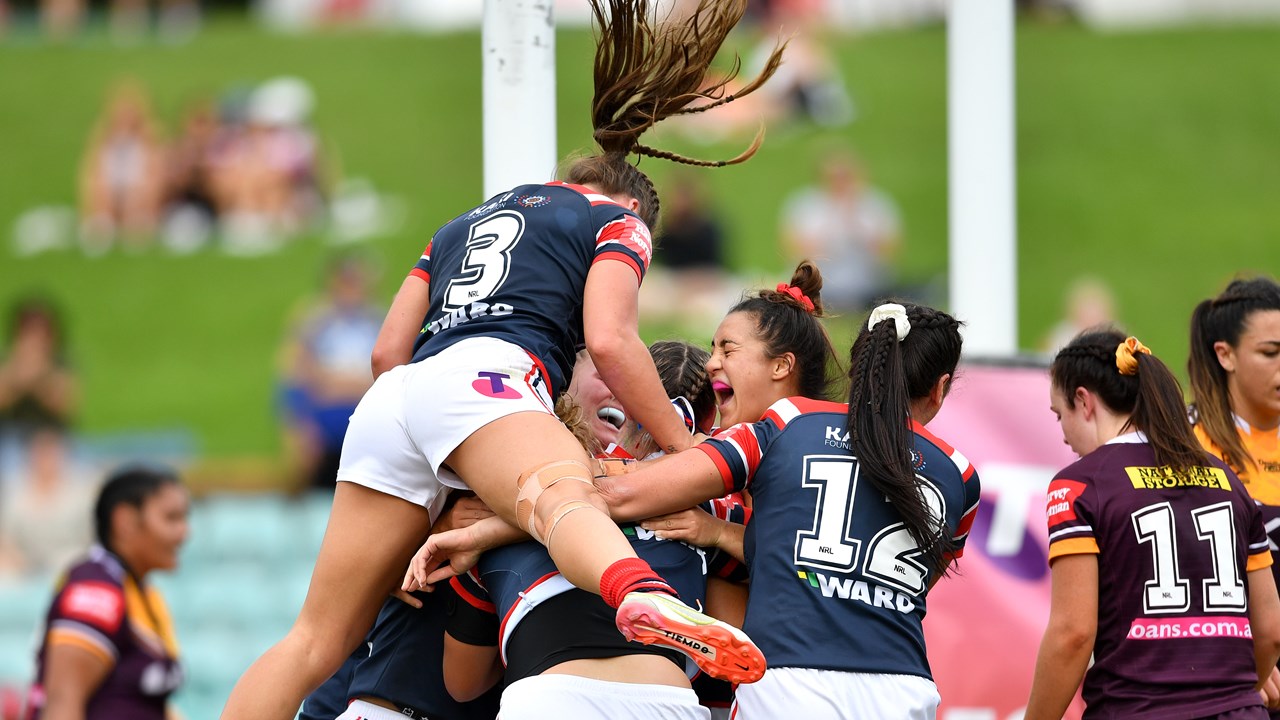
(1060, 502)
(96, 603)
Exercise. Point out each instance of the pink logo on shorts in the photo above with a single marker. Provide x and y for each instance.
(491, 385)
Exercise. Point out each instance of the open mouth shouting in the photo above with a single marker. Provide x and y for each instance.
(608, 423)
(724, 402)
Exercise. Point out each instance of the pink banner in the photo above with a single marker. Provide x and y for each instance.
(984, 624)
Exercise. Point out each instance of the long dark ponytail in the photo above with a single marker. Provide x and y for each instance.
(1143, 388)
(647, 71)
(885, 374)
(1223, 319)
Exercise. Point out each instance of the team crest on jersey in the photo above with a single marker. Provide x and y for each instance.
(532, 201)
(490, 384)
(917, 460)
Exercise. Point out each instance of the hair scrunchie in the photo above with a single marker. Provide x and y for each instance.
(798, 294)
(1126, 363)
(894, 312)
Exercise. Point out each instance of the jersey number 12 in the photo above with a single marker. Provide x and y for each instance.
(830, 545)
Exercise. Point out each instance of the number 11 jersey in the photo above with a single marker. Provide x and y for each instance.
(1173, 638)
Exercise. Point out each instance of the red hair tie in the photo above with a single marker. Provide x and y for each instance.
(798, 294)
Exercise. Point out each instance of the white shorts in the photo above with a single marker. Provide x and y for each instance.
(415, 415)
(570, 696)
(836, 695)
(361, 710)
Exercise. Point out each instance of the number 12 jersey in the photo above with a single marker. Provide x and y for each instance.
(836, 581)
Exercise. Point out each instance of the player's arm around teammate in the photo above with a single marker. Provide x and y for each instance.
(770, 346)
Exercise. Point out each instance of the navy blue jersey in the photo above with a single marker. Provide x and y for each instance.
(513, 582)
(331, 698)
(1174, 549)
(835, 579)
(515, 269)
(404, 665)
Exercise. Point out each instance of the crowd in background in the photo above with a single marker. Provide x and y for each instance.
(245, 167)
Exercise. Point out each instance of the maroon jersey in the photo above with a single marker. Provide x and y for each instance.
(1173, 638)
(101, 609)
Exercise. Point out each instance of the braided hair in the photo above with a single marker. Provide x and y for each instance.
(682, 368)
(1151, 396)
(885, 375)
(785, 324)
(1222, 319)
(647, 71)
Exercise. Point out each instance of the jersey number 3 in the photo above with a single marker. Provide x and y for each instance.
(830, 545)
(488, 259)
(1168, 592)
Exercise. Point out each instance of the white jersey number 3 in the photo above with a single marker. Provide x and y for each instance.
(830, 545)
(488, 259)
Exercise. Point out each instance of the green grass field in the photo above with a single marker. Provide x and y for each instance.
(1145, 159)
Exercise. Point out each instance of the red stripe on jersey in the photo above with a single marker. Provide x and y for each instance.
(629, 232)
(942, 444)
(502, 627)
(420, 273)
(580, 189)
(726, 475)
(725, 505)
(956, 457)
(966, 522)
(750, 448)
(466, 594)
(616, 452)
(809, 405)
(623, 257)
(773, 417)
(538, 367)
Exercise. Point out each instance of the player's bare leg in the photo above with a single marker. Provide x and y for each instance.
(368, 543)
(586, 540)
(558, 504)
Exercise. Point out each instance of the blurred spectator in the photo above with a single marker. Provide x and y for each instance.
(129, 20)
(1089, 303)
(108, 649)
(61, 18)
(266, 178)
(37, 387)
(44, 521)
(688, 283)
(190, 212)
(122, 176)
(327, 371)
(806, 87)
(808, 84)
(849, 228)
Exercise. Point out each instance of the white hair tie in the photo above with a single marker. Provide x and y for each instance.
(894, 312)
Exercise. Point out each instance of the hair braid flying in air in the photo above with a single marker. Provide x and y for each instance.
(647, 70)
